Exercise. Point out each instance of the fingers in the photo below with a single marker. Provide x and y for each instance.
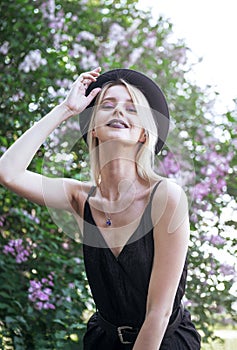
(92, 75)
(86, 78)
(92, 94)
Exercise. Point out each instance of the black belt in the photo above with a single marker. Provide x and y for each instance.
(128, 334)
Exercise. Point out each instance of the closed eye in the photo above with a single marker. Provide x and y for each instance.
(131, 109)
(107, 105)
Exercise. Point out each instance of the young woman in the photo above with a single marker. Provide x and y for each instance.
(134, 223)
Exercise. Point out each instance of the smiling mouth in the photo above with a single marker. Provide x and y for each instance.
(117, 124)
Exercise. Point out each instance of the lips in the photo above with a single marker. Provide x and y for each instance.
(118, 124)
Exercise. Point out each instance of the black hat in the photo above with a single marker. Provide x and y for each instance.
(148, 87)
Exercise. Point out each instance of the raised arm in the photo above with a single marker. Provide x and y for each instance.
(53, 192)
(171, 236)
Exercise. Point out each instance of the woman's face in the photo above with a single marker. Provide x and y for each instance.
(117, 118)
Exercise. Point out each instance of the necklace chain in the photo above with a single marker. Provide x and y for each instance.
(108, 220)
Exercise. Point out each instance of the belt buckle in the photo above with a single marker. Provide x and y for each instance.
(120, 334)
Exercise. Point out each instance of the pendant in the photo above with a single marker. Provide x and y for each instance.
(108, 222)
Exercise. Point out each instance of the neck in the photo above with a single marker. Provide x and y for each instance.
(118, 170)
(117, 177)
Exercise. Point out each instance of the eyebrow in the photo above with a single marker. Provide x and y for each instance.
(114, 99)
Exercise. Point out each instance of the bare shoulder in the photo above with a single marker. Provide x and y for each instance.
(77, 191)
(169, 202)
(76, 185)
(170, 191)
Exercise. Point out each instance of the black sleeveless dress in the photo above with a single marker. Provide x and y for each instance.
(119, 287)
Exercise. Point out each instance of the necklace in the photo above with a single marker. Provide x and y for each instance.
(108, 220)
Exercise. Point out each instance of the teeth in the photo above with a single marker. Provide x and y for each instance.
(117, 123)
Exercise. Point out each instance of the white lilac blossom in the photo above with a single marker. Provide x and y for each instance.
(64, 83)
(89, 60)
(116, 36)
(77, 260)
(84, 35)
(48, 9)
(18, 96)
(58, 23)
(116, 33)
(4, 48)
(32, 61)
(65, 245)
(150, 41)
(135, 55)
(60, 93)
(77, 50)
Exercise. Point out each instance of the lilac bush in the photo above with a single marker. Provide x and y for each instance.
(45, 45)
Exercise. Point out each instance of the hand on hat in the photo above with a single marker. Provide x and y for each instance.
(76, 101)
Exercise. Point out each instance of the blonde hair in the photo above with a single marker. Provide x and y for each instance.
(145, 155)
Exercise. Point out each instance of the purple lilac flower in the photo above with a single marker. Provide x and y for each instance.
(170, 164)
(3, 149)
(20, 249)
(214, 174)
(40, 293)
(56, 21)
(227, 270)
(71, 285)
(216, 240)
(201, 190)
(77, 260)
(31, 216)
(194, 217)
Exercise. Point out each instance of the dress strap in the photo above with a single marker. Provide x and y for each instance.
(92, 190)
(154, 190)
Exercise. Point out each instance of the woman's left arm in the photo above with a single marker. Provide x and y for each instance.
(171, 237)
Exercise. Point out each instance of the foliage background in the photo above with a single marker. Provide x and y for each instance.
(44, 297)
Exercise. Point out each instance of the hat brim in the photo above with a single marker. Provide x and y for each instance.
(148, 87)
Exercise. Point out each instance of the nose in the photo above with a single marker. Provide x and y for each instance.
(119, 110)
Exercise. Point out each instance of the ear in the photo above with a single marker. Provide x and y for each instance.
(142, 138)
(93, 133)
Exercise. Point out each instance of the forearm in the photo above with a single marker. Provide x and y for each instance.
(18, 157)
(152, 332)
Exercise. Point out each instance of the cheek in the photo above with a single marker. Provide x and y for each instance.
(99, 120)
